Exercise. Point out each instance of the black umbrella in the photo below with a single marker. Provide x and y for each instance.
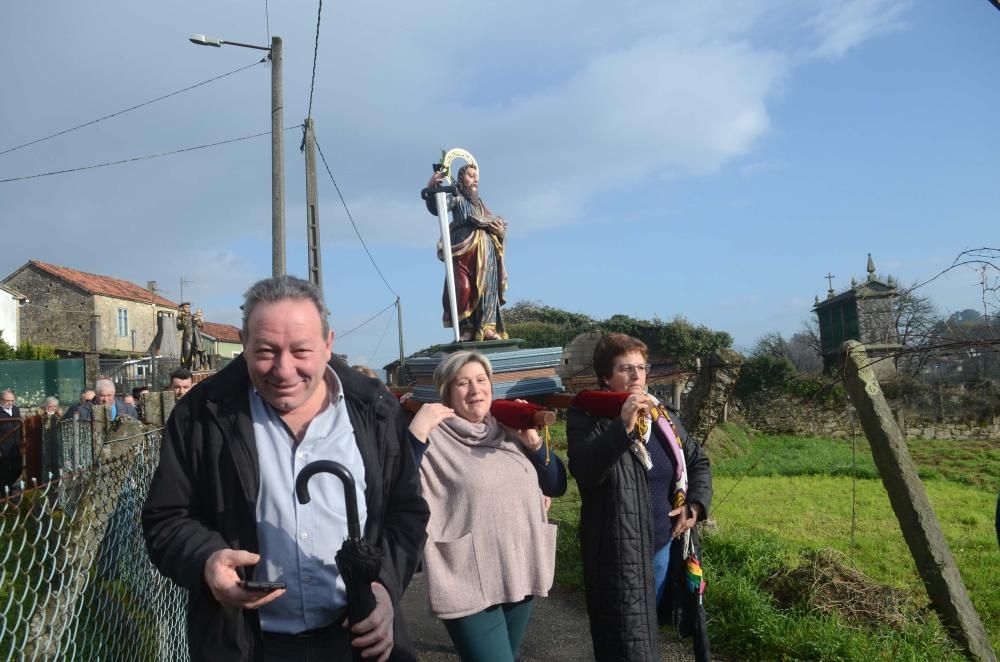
(358, 560)
(692, 617)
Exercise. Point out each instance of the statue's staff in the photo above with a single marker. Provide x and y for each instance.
(440, 195)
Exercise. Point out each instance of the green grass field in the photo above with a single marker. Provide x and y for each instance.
(777, 497)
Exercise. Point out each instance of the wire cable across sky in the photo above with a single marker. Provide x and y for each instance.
(371, 357)
(312, 84)
(351, 218)
(131, 108)
(141, 158)
(343, 335)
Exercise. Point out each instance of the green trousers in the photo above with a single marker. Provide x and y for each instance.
(491, 635)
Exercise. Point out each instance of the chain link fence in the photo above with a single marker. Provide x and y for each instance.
(75, 580)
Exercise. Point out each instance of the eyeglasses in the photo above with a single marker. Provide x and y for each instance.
(638, 368)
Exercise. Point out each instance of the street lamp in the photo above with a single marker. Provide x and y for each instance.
(277, 145)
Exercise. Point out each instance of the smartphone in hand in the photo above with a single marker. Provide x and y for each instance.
(263, 587)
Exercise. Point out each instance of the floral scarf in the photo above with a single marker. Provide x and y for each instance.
(660, 419)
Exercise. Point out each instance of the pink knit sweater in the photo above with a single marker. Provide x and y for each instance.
(488, 538)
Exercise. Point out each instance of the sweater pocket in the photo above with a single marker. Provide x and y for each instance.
(453, 585)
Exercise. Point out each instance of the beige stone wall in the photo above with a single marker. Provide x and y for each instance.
(795, 416)
(141, 318)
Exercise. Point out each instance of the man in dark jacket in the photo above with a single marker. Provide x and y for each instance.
(104, 395)
(221, 508)
(11, 463)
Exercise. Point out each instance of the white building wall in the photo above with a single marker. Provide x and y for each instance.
(8, 318)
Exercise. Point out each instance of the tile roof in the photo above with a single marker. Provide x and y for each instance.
(223, 332)
(103, 285)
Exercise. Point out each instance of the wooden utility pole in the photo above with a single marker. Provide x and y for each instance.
(277, 162)
(312, 208)
(917, 520)
(399, 320)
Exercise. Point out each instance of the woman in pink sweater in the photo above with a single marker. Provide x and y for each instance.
(490, 549)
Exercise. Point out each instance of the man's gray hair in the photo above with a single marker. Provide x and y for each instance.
(280, 288)
(448, 369)
(8, 390)
(51, 400)
(103, 384)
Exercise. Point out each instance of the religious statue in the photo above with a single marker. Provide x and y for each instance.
(190, 326)
(477, 237)
(198, 357)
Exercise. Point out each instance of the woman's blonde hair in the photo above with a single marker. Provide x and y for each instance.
(448, 369)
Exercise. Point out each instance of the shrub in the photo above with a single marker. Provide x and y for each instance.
(762, 373)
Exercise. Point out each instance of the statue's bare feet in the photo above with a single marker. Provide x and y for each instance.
(491, 335)
(467, 336)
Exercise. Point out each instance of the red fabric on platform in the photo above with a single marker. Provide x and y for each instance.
(603, 404)
(517, 415)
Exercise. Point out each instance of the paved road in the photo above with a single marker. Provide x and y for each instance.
(558, 630)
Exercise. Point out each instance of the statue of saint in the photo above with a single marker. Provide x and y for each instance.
(477, 252)
(199, 359)
(190, 327)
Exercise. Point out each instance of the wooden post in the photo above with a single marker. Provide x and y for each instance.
(917, 520)
(707, 403)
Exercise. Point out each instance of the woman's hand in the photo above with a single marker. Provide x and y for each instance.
(529, 438)
(427, 418)
(687, 516)
(636, 405)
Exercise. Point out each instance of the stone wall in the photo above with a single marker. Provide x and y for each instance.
(795, 416)
(57, 314)
(877, 320)
(926, 428)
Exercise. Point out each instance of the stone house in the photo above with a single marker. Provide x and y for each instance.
(75, 311)
(10, 314)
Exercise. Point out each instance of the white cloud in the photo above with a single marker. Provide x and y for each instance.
(563, 102)
(840, 26)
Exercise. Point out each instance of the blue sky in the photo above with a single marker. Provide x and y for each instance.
(713, 160)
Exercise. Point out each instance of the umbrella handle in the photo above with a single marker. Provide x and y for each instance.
(350, 494)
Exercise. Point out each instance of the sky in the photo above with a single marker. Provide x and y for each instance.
(713, 160)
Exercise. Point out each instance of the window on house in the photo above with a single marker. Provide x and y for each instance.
(123, 322)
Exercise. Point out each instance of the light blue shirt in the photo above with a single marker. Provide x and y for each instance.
(298, 542)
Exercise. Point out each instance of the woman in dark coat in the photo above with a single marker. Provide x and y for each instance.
(644, 484)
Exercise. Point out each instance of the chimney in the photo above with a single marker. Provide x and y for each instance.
(96, 342)
(151, 286)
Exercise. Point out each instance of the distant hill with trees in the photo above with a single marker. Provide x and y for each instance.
(545, 326)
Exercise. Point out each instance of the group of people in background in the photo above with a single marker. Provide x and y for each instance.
(448, 489)
(103, 393)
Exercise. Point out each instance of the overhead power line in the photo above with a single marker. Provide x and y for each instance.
(351, 218)
(371, 357)
(312, 85)
(131, 108)
(373, 317)
(267, 21)
(141, 158)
